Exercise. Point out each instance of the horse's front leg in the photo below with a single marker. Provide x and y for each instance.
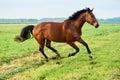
(75, 47)
(87, 47)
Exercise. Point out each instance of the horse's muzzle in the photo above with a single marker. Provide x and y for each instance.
(97, 26)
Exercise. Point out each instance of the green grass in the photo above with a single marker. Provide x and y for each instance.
(17, 61)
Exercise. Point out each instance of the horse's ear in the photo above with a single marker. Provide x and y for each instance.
(91, 9)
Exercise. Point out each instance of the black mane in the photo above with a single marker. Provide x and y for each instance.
(77, 14)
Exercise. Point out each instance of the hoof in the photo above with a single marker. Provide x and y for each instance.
(46, 60)
(58, 56)
(69, 55)
(90, 57)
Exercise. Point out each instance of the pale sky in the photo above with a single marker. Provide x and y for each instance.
(57, 8)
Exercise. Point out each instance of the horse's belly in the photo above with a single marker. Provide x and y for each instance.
(56, 38)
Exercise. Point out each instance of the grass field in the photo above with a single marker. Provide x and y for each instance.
(22, 61)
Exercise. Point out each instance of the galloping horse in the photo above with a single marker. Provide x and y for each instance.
(68, 31)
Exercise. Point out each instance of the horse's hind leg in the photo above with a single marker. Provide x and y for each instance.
(41, 48)
(48, 45)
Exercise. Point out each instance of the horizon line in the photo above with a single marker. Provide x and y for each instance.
(55, 17)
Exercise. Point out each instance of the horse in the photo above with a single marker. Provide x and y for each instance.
(68, 31)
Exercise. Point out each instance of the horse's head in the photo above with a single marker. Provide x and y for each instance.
(90, 18)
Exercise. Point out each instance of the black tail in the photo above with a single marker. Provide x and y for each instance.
(25, 33)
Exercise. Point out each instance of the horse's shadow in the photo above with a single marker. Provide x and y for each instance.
(55, 58)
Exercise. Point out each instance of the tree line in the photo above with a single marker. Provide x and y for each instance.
(110, 20)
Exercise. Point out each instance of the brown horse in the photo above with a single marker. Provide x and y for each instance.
(68, 31)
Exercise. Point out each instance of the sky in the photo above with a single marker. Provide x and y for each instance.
(57, 8)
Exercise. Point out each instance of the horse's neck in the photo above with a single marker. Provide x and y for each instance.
(79, 23)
